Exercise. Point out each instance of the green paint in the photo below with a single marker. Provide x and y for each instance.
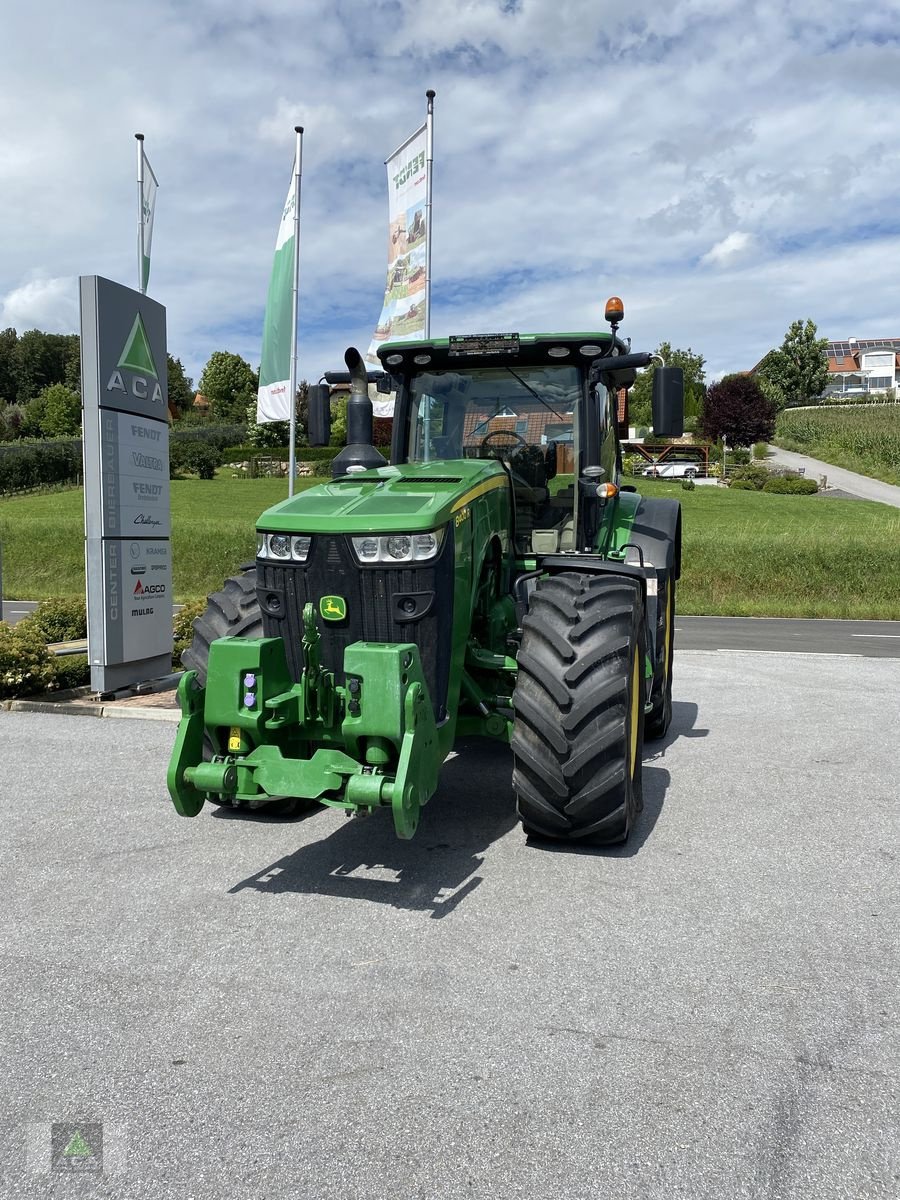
(77, 1147)
(372, 740)
(333, 608)
(136, 355)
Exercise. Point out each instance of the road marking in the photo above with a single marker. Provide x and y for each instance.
(876, 635)
(803, 653)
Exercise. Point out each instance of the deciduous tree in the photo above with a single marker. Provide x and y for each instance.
(229, 384)
(737, 410)
(797, 372)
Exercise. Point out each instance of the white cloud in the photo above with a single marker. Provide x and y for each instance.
(729, 250)
(577, 154)
(48, 304)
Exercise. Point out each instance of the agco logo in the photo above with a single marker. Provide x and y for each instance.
(149, 589)
(137, 360)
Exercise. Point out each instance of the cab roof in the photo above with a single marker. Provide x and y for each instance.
(496, 349)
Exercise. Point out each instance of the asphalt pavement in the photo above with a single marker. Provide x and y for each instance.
(313, 1009)
(843, 480)
(869, 639)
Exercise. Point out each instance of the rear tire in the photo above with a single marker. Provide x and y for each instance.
(579, 709)
(660, 716)
(233, 612)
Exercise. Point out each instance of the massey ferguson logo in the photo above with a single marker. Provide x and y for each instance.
(137, 360)
(149, 589)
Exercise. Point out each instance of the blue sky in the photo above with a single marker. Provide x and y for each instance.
(725, 167)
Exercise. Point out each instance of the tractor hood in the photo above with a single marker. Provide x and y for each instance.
(411, 498)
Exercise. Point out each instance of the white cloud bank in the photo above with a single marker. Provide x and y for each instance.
(725, 167)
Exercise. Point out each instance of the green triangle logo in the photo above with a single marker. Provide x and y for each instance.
(77, 1147)
(137, 355)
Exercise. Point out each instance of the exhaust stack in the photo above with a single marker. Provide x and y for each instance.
(359, 454)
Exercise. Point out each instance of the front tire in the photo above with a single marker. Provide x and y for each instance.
(579, 709)
(233, 612)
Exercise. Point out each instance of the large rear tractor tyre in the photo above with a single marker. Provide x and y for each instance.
(659, 718)
(233, 612)
(579, 709)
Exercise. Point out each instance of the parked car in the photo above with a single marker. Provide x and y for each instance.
(673, 469)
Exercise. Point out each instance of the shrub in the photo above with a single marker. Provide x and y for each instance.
(687, 485)
(183, 628)
(760, 450)
(71, 671)
(26, 465)
(60, 620)
(26, 665)
(201, 458)
(743, 485)
(756, 476)
(784, 485)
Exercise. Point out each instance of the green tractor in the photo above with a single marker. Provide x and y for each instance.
(497, 577)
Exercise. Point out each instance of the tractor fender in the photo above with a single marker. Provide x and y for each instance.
(656, 531)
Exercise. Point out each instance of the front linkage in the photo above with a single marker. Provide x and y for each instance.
(371, 742)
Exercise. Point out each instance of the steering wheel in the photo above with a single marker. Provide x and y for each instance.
(507, 433)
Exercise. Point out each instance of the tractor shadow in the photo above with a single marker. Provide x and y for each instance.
(436, 871)
(439, 869)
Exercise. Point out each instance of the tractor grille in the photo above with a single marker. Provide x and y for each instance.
(374, 595)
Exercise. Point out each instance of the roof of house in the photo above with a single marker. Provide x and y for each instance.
(844, 355)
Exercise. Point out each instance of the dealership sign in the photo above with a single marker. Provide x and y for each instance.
(126, 484)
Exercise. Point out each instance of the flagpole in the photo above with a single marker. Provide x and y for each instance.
(429, 162)
(298, 170)
(139, 138)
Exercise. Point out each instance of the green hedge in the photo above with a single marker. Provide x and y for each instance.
(797, 486)
(25, 466)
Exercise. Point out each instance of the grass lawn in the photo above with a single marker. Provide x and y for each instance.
(745, 553)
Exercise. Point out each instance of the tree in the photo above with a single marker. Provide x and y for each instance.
(798, 371)
(639, 399)
(8, 341)
(181, 387)
(737, 410)
(62, 411)
(229, 384)
(41, 359)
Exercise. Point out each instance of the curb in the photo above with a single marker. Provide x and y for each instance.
(99, 710)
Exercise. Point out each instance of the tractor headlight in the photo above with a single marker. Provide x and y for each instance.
(279, 545)
(398, 547)
(283, 546)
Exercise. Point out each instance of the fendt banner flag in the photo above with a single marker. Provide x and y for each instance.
(149, 188)
(273, 398)
(404, 314)
(126, 484)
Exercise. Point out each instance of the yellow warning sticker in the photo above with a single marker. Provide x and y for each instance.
(235, 738)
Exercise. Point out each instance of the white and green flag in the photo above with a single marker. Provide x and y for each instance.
(405, 314)
(274, 398)
(149, 188)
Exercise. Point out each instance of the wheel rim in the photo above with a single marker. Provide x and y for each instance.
(670, 604)
(635, 713)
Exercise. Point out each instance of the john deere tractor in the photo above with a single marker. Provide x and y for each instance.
(497, 577)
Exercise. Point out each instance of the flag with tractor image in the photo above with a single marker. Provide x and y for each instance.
(404, 313)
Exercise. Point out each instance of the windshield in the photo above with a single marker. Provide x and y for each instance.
(524, 416)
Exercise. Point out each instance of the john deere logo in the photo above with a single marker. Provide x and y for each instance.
(333, 608)
(137, 359)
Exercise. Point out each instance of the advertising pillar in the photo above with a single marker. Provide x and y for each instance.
(126, 484)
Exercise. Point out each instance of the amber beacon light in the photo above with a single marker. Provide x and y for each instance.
(615, 310)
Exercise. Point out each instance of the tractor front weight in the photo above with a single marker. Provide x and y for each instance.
(369, 742)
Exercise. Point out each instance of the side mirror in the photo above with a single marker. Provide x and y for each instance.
(668, 402)
(551, 463)
(319, 401)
